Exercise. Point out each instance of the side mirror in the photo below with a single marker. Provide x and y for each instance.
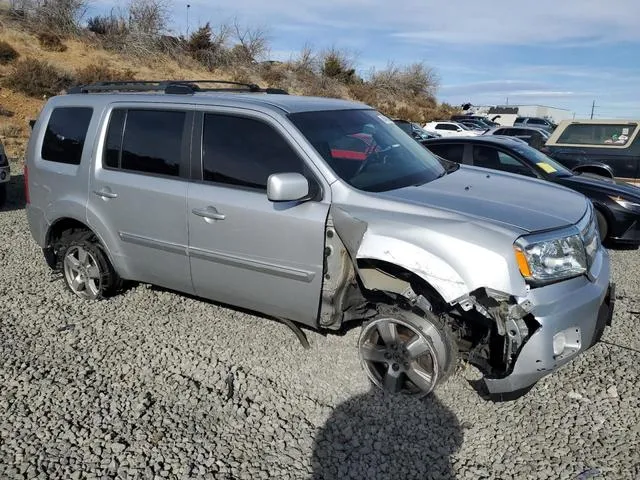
(287, 187)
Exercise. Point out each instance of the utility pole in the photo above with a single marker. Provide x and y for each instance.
(593, 106)
(188, 8)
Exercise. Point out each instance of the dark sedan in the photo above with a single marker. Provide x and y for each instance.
(617, 203)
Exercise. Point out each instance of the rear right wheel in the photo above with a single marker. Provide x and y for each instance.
(86, 268)
(403, 352)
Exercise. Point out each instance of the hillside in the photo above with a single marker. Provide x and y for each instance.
(38, 59)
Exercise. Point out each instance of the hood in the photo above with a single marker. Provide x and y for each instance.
(528, 204)
(603, 185)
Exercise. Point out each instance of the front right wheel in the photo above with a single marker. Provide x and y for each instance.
(405, 352)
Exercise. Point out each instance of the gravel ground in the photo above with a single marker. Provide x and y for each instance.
(152, 384)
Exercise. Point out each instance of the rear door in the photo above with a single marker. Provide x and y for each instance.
(244, 249)
(138, 193)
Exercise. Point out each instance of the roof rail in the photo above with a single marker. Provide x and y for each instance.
(175, 87)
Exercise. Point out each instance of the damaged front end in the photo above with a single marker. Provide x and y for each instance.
(493, 328)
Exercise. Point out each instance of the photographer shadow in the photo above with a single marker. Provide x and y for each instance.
(380, 436)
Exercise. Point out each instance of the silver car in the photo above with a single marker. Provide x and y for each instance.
(319, 212)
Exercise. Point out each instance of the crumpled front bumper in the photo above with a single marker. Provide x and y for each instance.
(580, 308)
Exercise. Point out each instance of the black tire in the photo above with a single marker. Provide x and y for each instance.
(603, 225)
(425, 324)
(3, 194)
(108, 282)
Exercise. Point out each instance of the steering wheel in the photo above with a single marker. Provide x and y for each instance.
(368, 161)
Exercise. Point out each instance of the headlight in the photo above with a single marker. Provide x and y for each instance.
(551, 259)
(628, 204)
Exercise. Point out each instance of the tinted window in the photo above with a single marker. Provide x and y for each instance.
(448, 151)
(537, 121)
(243, 151)
(519, 120)
(597, 134)
(489, 157)
(113, 142)
(152, 141)
(65, 135)
(446, 126)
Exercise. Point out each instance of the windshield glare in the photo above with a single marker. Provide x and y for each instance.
(367, 150)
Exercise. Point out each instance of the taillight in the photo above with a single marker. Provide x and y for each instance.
(26, 184)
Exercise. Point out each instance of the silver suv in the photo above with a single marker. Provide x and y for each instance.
(320, 212)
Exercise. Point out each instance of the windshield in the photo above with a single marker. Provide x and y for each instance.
(542, 162)
(367, 150)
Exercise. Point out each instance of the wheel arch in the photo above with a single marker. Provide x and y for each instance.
(63, 224)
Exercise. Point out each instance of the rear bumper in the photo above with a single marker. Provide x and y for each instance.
(577, 310)
(5, 174)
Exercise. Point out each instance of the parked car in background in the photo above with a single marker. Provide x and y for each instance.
(610, 148)
(534, 122)
(5, 175)
(617, 204)
(450, 129)
(479, 118)
(535, 137)
(415, 130)
(237, 197)
(474, 125)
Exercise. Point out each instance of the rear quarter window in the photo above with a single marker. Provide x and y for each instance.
(65, 135)
(597, 134)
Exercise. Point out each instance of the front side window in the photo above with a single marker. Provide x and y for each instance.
(446, 126)
(597, 134)
(489, 157)
(244, 152)
(392, 158)
(65, 135)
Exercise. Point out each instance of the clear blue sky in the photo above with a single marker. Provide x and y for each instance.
(564, 53)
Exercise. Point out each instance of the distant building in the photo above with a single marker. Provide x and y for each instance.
(507, 114)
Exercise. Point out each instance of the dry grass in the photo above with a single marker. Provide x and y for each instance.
(7, 53)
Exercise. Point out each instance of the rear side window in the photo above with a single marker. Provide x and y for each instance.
(449, 151)
(446, 126)
(145, 141)
(244, 152)
(597, 134)
(65, 135)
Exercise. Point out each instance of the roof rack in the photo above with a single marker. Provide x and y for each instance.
(175, 87)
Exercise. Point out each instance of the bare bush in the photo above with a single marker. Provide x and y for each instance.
(60, 16)
(415, 79)
(37, 78)
(149, 17)
(51, 42)
(108, 25)
(102, 72)
(251, 44)
(7, 53)
(306, 60)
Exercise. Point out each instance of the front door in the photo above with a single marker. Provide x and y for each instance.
(138, 194)
(245, 250)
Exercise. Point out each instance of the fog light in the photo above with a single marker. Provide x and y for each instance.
(559, 343)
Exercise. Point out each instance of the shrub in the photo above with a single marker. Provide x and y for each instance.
(7, 53)
(107, 25)
(62, 16)
(101, 72)
(37, 78)
(51, 42)
(338, 65)
(6, 113)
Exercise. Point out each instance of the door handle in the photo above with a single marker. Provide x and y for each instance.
(105, 194)
(209, 212)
